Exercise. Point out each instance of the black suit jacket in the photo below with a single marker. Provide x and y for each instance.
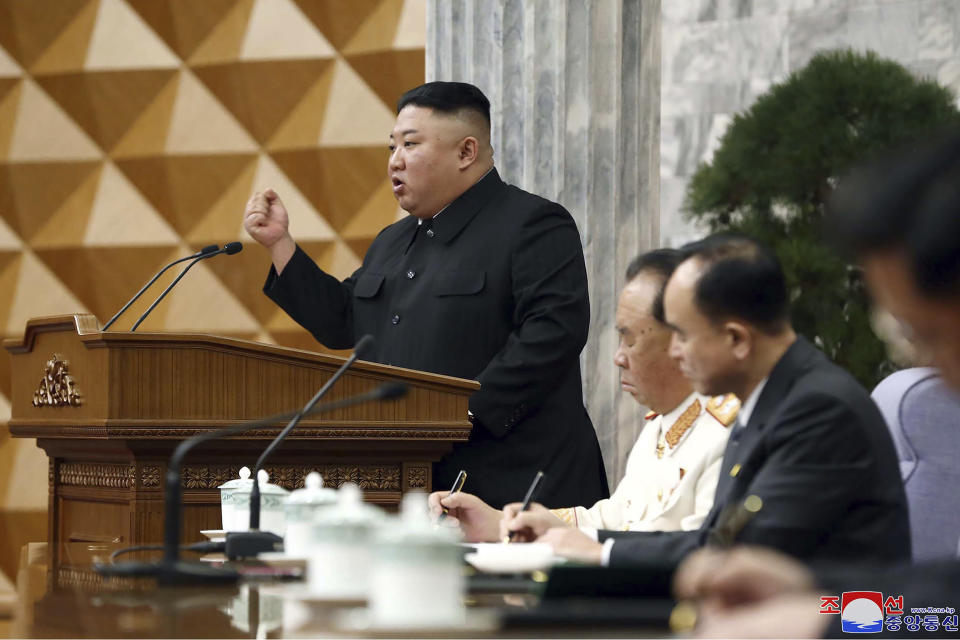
(817, 452)
(494, 288)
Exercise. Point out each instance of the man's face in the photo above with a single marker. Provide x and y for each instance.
(932, 324)
(424, 155)
(702, 348)
(646, 370)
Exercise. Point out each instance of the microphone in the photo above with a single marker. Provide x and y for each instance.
(244, 544)
(230, 248)
(205, 251)
(171, 569)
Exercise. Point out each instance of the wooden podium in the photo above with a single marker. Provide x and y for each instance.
(109, 408)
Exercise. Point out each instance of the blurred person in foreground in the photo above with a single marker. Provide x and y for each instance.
(482, 280)
(672, 470)
(900, 218)
(810, 468)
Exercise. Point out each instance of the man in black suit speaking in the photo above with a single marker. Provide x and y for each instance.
(482, 280)
(810, 467)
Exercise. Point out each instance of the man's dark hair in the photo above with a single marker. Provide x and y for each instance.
(907, 200)
(447, 97)
(662, 262)
(741, 279)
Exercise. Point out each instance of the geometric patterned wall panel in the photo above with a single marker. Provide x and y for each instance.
(133, 132)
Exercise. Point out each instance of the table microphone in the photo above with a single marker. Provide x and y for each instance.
(230, 248)
(171, 569)
(245, 544)
(206, 250)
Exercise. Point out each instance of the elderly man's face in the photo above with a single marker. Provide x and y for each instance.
(424, 155)
(703, 349)
(646, 370)
(932, 324)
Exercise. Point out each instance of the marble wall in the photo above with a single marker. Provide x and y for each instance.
(719, 55)
(574, 89)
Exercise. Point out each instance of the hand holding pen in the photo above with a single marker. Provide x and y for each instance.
(525, 505)
(457, 486)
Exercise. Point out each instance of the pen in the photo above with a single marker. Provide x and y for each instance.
(732, 521)
(457, 486)
(531, 492)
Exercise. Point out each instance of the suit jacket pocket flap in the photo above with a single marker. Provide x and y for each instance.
(459, 283)
(368, 285)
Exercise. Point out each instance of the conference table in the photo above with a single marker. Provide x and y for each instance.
(61, 596)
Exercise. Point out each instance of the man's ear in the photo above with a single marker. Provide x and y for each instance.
(741, 340)
(468, 151)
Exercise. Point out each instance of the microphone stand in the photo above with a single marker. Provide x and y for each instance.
(203, 252)
(171, 569)
(245, 544)
(230, 248)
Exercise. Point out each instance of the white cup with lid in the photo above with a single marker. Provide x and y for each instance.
(227, 504)
(339, 557)
(300, 509)
(417, 579)
(235, 503)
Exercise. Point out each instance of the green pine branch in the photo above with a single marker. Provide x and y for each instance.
(775, 167)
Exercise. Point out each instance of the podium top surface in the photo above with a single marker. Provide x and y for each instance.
(70, 375)
(87, 328)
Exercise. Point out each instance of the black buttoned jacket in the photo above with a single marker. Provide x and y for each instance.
(818, 454)
(494, 289)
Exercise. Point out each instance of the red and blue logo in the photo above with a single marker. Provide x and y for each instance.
(869, 612)
(861, 612)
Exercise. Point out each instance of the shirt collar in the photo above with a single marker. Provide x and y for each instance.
(420, 220)
(461, 211)
(751, 402)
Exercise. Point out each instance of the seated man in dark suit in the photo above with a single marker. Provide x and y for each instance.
(900, 217)
(482, 280)
(810, 468)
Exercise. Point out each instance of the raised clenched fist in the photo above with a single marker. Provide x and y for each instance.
(265, 218)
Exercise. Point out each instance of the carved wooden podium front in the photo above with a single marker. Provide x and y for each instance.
(109, 408)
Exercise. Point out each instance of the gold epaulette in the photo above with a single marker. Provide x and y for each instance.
(567, 514)
(724, 408)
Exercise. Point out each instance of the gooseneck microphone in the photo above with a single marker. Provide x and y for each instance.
(207, 250)
(230, 248)
(248, 543)
(171, 569)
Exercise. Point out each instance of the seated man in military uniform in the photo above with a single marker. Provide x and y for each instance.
(672, 470)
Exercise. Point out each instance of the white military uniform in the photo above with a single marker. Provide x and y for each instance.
(671, 473)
